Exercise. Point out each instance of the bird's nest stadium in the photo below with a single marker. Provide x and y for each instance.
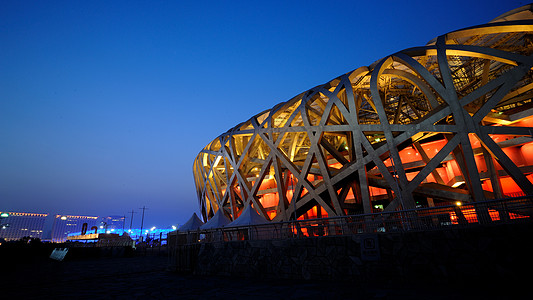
(449, 122)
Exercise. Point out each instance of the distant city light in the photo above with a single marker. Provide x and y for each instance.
(135, 233)
(174, 227)
(63, 218)
(4, 215)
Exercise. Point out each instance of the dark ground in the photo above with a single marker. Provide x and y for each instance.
(146, 277)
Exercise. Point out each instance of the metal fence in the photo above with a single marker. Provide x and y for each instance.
(420, 219)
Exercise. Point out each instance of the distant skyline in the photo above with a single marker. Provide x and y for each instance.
(105, 105)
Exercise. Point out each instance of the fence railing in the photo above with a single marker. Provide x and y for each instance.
(419, 219)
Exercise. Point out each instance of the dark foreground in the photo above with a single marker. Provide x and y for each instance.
(146, 277)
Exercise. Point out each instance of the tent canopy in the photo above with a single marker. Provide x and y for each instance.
(193, 223)
(248, 217)
(217, 221)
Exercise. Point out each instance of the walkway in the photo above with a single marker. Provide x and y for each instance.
(145, 277)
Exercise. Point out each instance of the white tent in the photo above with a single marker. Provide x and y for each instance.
(217, 221)
(193, 224)
(248, 217)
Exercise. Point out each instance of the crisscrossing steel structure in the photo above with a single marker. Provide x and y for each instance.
(445, 122)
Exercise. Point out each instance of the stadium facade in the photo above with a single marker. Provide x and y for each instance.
(448, 122)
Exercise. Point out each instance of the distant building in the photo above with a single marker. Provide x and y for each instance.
(56, 228)
(16, 225)
(66, 224)
(113, 222)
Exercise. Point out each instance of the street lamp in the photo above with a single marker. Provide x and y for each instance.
(103, 225)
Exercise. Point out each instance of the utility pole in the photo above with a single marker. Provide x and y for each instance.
(131, 220)
(142, 220)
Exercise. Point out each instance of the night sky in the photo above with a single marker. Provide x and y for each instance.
(105, 104)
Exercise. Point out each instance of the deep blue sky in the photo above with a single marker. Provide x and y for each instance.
(105, 104)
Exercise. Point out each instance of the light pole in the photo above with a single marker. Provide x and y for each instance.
(142, 220)
(131, 220)
(104, 226)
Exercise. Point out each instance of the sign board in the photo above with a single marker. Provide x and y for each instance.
(370, 247)
(59, 253)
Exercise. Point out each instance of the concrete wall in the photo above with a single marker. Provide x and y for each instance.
(453, 256)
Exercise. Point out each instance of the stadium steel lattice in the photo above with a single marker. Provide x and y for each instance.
(449, 121)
